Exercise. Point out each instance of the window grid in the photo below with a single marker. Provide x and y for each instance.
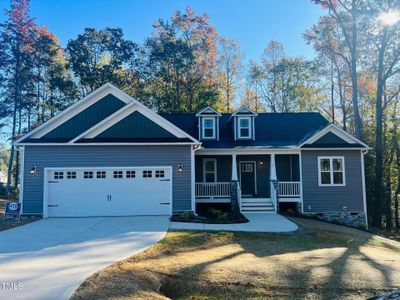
(210, 170)
(244, 127)
(331, 171)
(160, 173)
(101, 174)
(130, 174)
(208, 128)
(58, 175)
(118, 174)
(147, 174)
(88, 174)
(71, 175)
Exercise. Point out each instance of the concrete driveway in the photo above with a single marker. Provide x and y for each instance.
(50, 258)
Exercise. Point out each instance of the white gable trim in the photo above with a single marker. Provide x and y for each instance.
(208, 109)
(245, 109)
(337, 131)
(75, 109)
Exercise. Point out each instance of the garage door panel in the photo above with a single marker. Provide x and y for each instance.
(109, 192)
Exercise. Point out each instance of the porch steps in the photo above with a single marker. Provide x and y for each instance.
(257, 205)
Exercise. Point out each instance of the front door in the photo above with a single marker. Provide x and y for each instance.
(248, 178)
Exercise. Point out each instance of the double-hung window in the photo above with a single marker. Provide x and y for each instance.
(208, 128)
(244, 128)
(331, 171)
(209, 170)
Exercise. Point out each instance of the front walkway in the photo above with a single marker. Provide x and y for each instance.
(50, 258)
(259, 222)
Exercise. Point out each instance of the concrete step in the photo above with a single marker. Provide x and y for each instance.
(251, 208)
(255, 200)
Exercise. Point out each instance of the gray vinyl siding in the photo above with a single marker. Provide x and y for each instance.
(105, 156)
(332, 198)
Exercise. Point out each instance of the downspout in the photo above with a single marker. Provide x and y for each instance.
(363, 153)
(194, 148)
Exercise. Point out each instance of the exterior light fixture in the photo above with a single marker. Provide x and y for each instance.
(180, 168)
(261, 162)
(33, 170)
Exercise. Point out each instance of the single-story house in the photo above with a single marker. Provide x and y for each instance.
(110, 155)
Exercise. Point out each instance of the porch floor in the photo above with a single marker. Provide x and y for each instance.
(266, 222)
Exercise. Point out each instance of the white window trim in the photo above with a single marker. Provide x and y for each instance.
(250, 128)
(204, 129)
(331, 158)
(205, 160)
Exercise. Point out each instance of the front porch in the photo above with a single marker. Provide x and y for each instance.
(256, 182)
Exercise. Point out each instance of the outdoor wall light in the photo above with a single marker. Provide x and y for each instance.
(33, 170)
(180, 168)
(261, 162)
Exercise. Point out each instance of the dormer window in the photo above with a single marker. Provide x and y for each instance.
(243, 123)
(244, 127)
(208, 124)
(208, 128)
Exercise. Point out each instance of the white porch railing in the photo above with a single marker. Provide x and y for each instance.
(289, 188)
(213, 189)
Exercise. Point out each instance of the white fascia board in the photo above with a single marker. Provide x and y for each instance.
(74, 109)
(337, 131)
(266, 151)
(336, 148)
(110, 144)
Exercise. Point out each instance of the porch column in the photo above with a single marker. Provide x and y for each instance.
(273, 177)
(235, 188)
(234, 168)
(273, 168)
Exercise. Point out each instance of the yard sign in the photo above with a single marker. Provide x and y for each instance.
(12, 209)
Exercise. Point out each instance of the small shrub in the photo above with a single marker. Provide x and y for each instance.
(223, 217)
(362, 226)
(337, 221)
(291, 212)
(187, 215)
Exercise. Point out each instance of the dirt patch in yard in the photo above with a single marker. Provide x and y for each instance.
(319, 261)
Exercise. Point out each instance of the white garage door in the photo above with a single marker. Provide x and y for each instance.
(108, 192)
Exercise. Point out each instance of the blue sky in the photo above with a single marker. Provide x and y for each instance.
(251, 22)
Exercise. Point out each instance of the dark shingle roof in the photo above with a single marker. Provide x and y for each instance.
(271, 129)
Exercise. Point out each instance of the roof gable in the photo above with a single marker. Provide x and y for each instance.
(95, 113)
(86, 118)
(332, 136)
(244, 111)
(208, 111)
(135, 125)
(329, 139)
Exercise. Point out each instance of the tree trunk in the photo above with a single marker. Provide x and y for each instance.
(378, 136)
(354, 80)
(16, 173)
(14, 123)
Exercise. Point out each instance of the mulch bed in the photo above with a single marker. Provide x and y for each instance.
(211, 217)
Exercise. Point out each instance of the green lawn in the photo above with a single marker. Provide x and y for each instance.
(320, 261)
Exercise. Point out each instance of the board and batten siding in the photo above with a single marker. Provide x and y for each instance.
(332, 198)
(105, 156)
